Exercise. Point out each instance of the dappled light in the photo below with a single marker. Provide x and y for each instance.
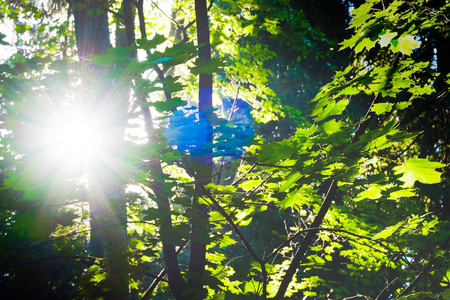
(257, 149)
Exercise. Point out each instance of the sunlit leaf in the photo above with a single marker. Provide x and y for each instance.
(386, 37)
(402, 105)
(226, 241)
(332, 108)
(381, 108)
(290, 180)
(250, 184)
(405, 44)
(97, 278)
(388, 231)
(331, 126)
(373, 192)
(419, 169)
(252, 287)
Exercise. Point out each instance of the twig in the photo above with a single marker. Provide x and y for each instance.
(160, 277)
(295, 235)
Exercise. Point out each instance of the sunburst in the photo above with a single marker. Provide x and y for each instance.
(72, 139)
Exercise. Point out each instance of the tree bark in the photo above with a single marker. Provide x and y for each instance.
(199, 222)
(107, 205)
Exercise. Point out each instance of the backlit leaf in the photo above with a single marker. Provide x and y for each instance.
(381, 108)
(249, 184)
(388, 231)
(403, 193)
(332, 108)
(386, 37)
(405, 44)
(419, 169)
(290, 180)
(373, 192)
(331, 126)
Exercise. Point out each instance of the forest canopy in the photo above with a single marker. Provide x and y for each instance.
(224, 149)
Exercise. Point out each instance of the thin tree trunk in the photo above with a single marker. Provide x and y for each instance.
(177, 283)
(199, 229)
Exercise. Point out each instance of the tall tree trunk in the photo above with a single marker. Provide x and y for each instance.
(199, 230)
(107, 202)
(91, 26)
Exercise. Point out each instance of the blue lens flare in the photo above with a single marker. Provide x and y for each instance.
(188, 130)
(238, 112)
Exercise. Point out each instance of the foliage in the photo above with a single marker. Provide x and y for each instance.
(331, 206)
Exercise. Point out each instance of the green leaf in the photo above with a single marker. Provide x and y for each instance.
(403, 193)
(99, 277)
(249, 184)
(386, 37)
(388, 231)
(169, 85)
(36, 224)
(289, 201)
(381, 108)
(114, 56)
(151, 44)
(419, 169)
(331, 126)
(373, 192)
(332, 108)
(405, 44)
(2, 42)
(402, 105)
(167, 105)
(367, 43)
(297, 197)
(360, 14)
(226, 241)
(291, 179)
(253, 287)
(207, 66)
(274, 152)
(423, 296)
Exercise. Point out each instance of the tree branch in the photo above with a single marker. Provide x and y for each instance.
(295, 235)
(247, 245)
(148, 293)
(330, 196)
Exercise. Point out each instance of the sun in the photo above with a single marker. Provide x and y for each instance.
(72, 139)
(71, 135)
(68, 141)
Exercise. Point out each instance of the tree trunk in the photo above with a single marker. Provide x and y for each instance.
(107, 201)
(199, 230)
